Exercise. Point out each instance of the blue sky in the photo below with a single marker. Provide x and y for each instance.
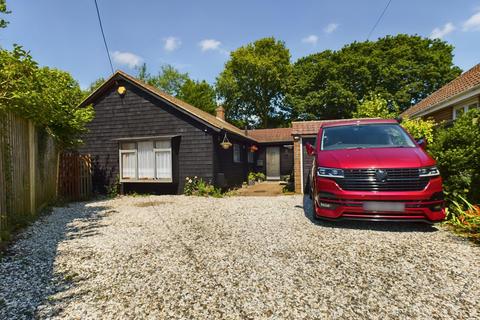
(196, 36)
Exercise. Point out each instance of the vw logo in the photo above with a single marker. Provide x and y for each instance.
(381, 175)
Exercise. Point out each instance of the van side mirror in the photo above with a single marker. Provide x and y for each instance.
(422, 142)
(310, 149)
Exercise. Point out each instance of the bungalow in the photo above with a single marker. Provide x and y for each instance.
(451, 100)
(151, 142)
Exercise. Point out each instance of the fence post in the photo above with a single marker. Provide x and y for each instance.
(31, 157)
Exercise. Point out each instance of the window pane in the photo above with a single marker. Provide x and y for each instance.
(236, 153)
(250, 157)
(165, 144)
(145, 160)
(128, 165)
(163, 163)
(128, 146)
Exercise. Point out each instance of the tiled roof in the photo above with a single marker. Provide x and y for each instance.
(196, 112)
(271, 135)
(312, 127)
(462, 83)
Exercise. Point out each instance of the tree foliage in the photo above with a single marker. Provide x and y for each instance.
(374, 106)
(401, 68)
(168, 79)
(254, 81)
(48, 97)
(419, 128)
(457, 151)
(94, 85)
(197, 93)
(3, 10)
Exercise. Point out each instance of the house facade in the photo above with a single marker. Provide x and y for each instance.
(151, 142)
(450, 101)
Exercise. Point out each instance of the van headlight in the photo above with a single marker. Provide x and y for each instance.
(428, 172)
(330, 172)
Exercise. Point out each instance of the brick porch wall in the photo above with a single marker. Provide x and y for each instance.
(297, 151)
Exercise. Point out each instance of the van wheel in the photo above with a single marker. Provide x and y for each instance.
(314, 207)
(307, 188)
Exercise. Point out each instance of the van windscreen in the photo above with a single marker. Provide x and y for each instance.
(365, 136)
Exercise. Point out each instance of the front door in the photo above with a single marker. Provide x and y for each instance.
(273, 163)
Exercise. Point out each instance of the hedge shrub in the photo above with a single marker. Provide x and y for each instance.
(457, 151)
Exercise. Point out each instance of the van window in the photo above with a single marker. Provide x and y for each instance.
(365, 136)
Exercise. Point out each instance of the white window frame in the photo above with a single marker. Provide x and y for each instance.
(167, 150)
(250, 157)
(135, 151)
(127, 151)
(465, 108)
(237, 153)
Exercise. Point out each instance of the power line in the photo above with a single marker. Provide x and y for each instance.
(378, 20)
(103, 35)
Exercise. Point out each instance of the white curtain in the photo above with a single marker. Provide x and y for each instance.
(145, 160)
(164, 164)
(163, 159)
(129, 164)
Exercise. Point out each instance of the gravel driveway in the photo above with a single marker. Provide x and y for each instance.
(237, 257)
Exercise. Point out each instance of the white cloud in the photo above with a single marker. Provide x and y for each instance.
(330, 27)
(472, 23)
(311, 39)
(171, 43)
(127, 59)
(439, 33)
(210, 44)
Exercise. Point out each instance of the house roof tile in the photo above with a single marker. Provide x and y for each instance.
(462, 83)
(312, 127)
(271, 135)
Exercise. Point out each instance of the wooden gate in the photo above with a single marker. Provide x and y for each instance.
(75, 176)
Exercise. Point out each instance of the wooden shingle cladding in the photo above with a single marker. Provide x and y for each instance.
(139, 114)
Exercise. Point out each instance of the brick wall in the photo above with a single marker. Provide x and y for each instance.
(297, 165)
(445, 114)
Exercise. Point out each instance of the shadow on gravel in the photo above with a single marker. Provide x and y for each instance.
(27, 275)
(393, 226)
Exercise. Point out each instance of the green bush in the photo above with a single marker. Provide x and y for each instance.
(374, 106)
(419, 128)
(457, 151)
(198, 187)
(464, 218)
(256, 176)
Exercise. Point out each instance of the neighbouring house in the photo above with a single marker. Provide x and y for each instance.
(151, 142)
(453, 99)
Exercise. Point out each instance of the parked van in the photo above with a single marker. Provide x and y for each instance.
(373, 170)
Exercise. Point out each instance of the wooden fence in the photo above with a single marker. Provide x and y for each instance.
(75, 179)
(28, 171)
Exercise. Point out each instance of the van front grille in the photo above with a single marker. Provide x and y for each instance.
(404, 179)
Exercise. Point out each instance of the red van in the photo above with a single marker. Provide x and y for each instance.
(373, 170)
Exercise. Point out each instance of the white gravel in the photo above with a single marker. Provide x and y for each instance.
(238, 257)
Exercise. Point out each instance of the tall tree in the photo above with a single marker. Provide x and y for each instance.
(94, 85)
(3, 10)
(253, 83)
(198, 93)
(168, 78)
(402, 68)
